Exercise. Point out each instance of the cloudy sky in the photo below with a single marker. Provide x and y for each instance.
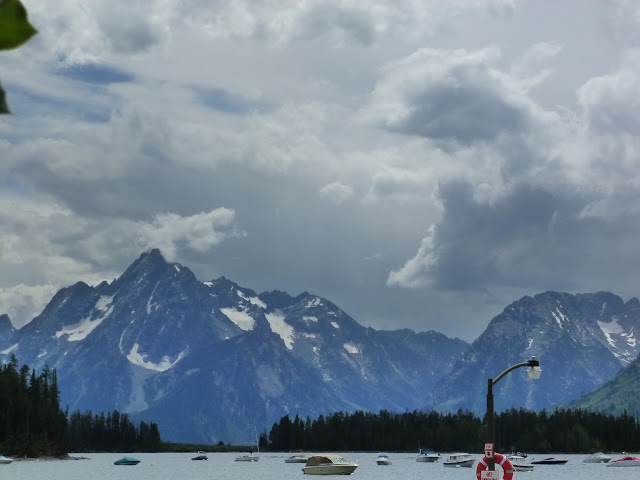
(421, 164)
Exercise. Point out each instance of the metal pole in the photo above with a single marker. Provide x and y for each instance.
(491, 462)
(491, 433)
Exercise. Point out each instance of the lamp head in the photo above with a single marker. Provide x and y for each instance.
(534, 369)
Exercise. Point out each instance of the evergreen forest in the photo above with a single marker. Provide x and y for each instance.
(565, 431)
(32, 423)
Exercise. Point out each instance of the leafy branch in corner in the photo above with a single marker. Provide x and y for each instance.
(15, 30)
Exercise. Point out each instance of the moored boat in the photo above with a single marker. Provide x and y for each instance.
(5, 460)
(383, 459)
(627, 461)
(127, 461)
(597, 457)
(459, 460)
(550, 461)
(520, 463)
(297, 458)
(201, 456)
(328, 464)
(427, 455)
(248, 457)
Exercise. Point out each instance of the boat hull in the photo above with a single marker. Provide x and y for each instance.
(248, 458)
(597, 459)
(296, 459)
(464, 463)
(625, 462)
(127, 461)
(555, 462)
(343, 469)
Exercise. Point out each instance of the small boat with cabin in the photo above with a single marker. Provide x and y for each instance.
(427, 455)
(459, 460)
(328, 464)
(597, 457)
(520, 463)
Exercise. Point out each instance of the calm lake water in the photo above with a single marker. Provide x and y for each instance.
(221, 466)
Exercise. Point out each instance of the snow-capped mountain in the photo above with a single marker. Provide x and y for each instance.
(581, 341)
(211, 361)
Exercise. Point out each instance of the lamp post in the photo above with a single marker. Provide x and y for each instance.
(534, 374)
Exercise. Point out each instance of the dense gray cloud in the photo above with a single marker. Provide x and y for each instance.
(421, 164)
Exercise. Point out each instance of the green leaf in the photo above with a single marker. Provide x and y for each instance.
(15, 28)
(4, 108)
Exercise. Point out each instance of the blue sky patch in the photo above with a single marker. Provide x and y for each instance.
(96, 74)
(228, 102)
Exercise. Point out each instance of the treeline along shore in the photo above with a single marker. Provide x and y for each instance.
(32, 424)
(562, 431)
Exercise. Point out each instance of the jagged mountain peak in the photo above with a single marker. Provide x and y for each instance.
(5, 323)
(7, 331)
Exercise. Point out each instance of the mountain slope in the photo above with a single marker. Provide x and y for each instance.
(618, 395)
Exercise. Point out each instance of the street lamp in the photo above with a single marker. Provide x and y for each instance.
(534, 372)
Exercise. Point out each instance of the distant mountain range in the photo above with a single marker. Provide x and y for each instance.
(212, 361)
(581, 341)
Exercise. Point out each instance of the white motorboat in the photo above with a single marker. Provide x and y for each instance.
(5, 460)
(297, 458)
(383, 459)
(520, 463)
(627, 461)
(459, 460)
(328, 464)
(248, 457)
(427, 455)
(597, 457)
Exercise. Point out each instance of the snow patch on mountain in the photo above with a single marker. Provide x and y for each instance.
(609, 328)
(140, 360)
(560, 317)
(308, 319)
(282, 328)
(254, 300)
(241, 318)
(9, 350)
(315, 302)
(631, 339)
(80, 330)
(351, 348)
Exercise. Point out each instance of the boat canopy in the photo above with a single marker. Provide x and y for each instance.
(323, 459)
